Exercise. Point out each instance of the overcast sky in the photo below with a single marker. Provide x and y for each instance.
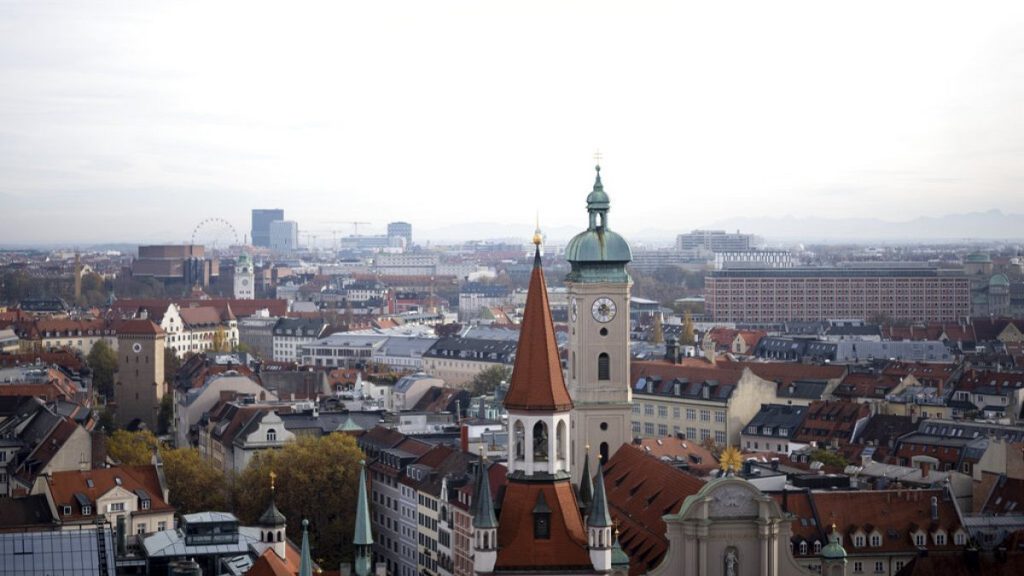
(135, 120)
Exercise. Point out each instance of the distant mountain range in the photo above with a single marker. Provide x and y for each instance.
(990, 225)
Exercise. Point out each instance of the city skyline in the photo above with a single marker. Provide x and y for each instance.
(149, 118)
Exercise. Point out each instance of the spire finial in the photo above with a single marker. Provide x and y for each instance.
(537, 237)
(273, 477)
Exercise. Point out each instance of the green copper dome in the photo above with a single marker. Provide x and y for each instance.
(978, 257)
(833, 550)
(598, 254)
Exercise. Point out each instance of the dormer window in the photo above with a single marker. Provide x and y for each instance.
(817, 546)
(86, 510)
(541, 519)
(145, 504)
(66, 510)
(271, 435)
(858, 540)
(919, 539)
(940, 539)
(876, 540)
(803, 548)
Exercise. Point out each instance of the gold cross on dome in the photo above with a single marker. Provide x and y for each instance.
(272, 478)
(598, 157)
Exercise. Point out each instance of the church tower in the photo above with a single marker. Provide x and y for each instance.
(541, 528)
(599, 356)
(244, 277)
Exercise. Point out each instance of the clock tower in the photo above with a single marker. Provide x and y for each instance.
(244, 276)
(599, 356)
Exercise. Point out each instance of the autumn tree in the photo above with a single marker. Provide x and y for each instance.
(195, 484)
(657, 331)
(103, 362)
(317, 479)
(132, 448)
(686, 337)
(487, 380)
(220, 341)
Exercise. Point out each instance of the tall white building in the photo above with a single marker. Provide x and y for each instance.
(284, 236)
(245, 277)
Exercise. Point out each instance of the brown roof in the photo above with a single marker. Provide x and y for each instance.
(641, 489)
(138, 327)
(64, 486)
(699, 458)
(787, 372)
(867, 385)
(46, 450)
(270, 564)
(827, 421)
(1007, 497)
(200, 316)
(566, 549)
(537, 382)
(961, 564)
(896, 514)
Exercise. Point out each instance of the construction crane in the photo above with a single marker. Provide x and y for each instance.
(355, 224)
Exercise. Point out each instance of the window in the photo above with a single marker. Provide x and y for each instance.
(705, 415)
(636, 427)
(691, 414)
(876, 540)
(858, 567)
(636, 408)
(919, 539)
(86, 510)
(66, 510)
(648, 409)
(271, 435)
(719, 437)
(940, 539)
(161, 526)
(541, 526)
(719, 416)
(145, 504)
(858, 540)
(140, 528)
(879, 566)
(960, 539)
(662, 430)
(675, 412)
(662, 411)
(603, 367)
(705, 434)
(898, 566)
(691, 433)
(803, 548)
(817, 546)
(649, 428)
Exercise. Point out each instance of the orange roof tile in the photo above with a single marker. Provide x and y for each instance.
(537, 382)
(566, 549)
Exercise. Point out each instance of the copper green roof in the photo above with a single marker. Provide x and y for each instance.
(483, 504)
(833, 550)
(599, 516)
(273, 516)
(362, 536)
(305, 561)
(598, 254)
(586, 484)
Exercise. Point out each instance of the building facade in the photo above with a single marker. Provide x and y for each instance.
(779, 295)
(261, 219)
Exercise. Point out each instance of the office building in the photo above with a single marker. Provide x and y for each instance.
(714, 241)
(401, 230)
(284, 236)
(261, 219)
(782, 294)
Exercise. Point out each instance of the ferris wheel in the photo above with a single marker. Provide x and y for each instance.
(215, 234)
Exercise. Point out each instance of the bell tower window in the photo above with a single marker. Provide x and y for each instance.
(603, 367)
(540, 442)
(541, 519)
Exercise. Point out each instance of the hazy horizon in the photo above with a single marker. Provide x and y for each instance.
(134, 122)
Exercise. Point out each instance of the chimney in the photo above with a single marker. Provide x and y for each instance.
(925, 468)
(935, 509)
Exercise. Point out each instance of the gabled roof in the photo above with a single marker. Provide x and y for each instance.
(537, 382)
(74, 488)
(518, 549)
(136, 327)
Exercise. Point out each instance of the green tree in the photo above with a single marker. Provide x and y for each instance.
(829, 458)
(194, 484)
(686, 337)
(487, 380)
(103, 362)
(106, 422)
(166, 414)
(317, 479)
(132, 448)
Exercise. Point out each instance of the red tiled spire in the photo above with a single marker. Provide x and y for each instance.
(537, 381)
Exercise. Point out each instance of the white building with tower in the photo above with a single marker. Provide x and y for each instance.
(245, 276)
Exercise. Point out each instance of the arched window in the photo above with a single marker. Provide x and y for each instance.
(560, 440)
(817, 546)
(280, 536)
(603, 367)
(271, 435)
(603, 451)
(540, 442)
(803, 548)
(520, 439)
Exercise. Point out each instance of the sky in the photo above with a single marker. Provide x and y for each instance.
(135, 121)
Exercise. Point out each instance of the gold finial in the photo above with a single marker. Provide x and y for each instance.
(272, 478)
(730, 460)
(537, 238)
(588, 447)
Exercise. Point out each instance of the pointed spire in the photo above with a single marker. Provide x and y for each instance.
(272, 516)
(537, 382)
(483, 504)
(598, 516)
(586, 483)
(619, 557)
(305, 561)
(363, 536)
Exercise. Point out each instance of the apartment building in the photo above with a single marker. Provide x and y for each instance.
(779, 295)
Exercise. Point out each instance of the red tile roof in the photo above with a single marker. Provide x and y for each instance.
(270, 564)
(566, 549)
(642, 489)
(138, 327)
(537, 382)
(93, 484)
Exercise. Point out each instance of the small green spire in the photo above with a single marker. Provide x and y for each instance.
(586, 483)
(483, 504)
(598, 516)
(305, 561)
(363, 537)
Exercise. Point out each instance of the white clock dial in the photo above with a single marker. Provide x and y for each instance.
(136, 347)
(603, 309)
(245, 281)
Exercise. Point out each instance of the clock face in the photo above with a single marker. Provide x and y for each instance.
(136, 347)
(574, 309)
(603, 309)
(245, 281)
